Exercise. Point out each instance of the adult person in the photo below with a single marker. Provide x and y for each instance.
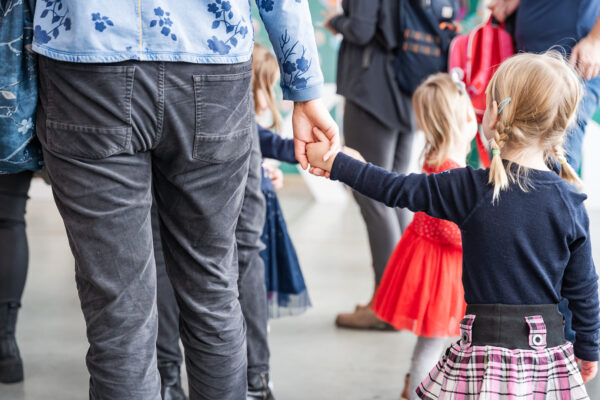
(574, 27)
(20, 155)
(141, 93)
(378, 122)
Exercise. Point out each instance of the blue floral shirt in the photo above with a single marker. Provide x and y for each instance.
(197, 31)
(19, 148)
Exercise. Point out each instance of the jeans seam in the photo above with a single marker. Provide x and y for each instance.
(161, 101)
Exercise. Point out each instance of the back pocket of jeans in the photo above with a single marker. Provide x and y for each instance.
(88, 111)
(223, 117)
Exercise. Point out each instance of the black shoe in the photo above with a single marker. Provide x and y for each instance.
(258, 387)
(11, 365)
(170, 382)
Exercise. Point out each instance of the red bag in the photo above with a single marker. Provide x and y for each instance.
(479, 53)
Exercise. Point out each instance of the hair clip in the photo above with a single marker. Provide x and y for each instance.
(457, 75)
(562, 160)
(503, 104)
(495, 152)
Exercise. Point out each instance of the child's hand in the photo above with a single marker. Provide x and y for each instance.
(276, 176)
(589, 370)
(316, 152)
(349, 151)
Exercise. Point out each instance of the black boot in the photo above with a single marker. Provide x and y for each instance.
(170, 382)
(258, 387)
(11, 365)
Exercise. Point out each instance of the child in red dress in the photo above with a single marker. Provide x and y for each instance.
(421, 290)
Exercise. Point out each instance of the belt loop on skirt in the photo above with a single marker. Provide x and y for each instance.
(466, 330)
(537, 332)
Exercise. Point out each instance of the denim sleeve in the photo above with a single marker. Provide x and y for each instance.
(275, 147)
(291, 32)
(449, 195)
(580, 287)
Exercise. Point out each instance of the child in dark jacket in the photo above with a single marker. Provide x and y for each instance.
(526, 242)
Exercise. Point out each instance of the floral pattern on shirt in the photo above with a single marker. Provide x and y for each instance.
(57, 13)
(224, 18)
(294, 69)
(19, 149)
(267, 5)
(101, 21)
(164, 22)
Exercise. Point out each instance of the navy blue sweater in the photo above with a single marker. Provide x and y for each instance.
(530, 247)
(275, 147)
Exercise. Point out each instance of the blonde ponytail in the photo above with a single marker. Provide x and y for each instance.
(566, 170)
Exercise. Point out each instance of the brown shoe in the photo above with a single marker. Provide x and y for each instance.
(362, 318)
(406, 391)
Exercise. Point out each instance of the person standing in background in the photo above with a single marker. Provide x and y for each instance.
(378, 122)
(143, 96)
(573, 27)
(20, 156)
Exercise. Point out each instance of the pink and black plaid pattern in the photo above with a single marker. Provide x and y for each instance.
(468, 372)
(537, 332)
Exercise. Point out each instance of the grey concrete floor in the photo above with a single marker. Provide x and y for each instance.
(311, 359)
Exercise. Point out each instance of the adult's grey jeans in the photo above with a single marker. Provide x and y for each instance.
(389, 148)
(251, 281)
(110, 133)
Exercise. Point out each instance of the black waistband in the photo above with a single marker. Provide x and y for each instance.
(503, 325)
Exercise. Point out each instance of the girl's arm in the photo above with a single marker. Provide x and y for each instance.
(360, 25)
(449, 195)
(275, 147)
(580, 287)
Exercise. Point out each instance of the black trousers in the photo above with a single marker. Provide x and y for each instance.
(14, 252)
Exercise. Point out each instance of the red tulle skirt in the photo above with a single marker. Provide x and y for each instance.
(421, 290)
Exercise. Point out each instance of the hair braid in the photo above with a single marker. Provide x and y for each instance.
(566, 170)
(498, 176)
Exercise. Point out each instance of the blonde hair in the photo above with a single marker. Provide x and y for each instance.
(265, 72)
(544, 93)
(441, 111)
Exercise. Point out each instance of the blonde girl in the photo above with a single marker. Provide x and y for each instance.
(526, 243)
(421, 289)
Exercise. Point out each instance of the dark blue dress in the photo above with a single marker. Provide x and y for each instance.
(286, 290)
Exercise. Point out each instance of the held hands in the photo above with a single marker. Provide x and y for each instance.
(316, 152)
(307, 116)
(316, 155)
(586, 56)
(589, 370)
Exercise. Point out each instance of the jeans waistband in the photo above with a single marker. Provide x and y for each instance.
(513, 326)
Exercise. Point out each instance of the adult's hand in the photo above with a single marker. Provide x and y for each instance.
(502, 9)
(586, 56)
(327, 16)
(308, 115)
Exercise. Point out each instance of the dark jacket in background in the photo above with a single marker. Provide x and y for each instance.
(364, 74)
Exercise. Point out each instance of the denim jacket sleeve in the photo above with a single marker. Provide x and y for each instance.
(19, 149)
(291, 32)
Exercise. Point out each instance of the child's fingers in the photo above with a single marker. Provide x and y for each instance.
(334, 148)
(319, 135)
(300, 153)
(589, 370)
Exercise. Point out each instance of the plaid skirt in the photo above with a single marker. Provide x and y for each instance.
(474, 370)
